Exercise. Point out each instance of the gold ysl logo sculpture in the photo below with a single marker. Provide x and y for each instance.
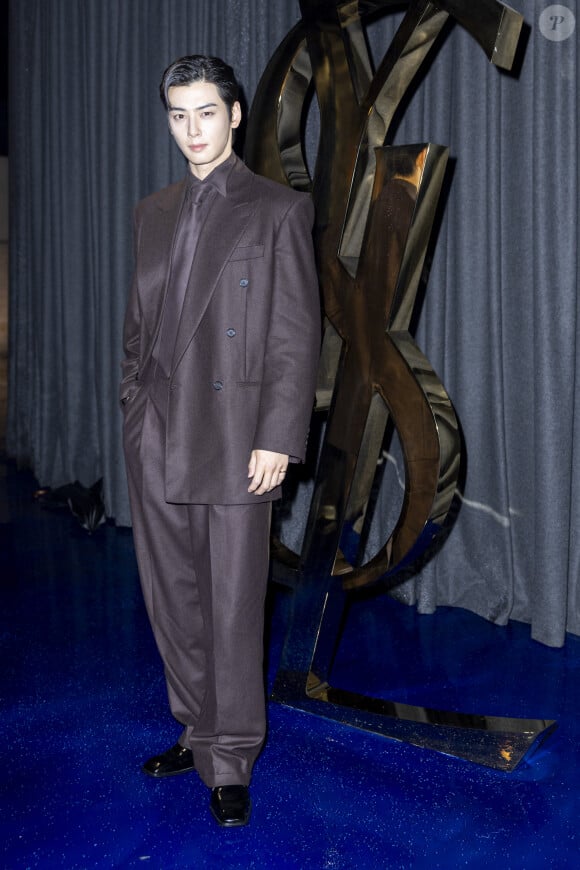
(375, 207)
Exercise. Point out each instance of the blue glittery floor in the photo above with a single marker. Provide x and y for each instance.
(83, 703)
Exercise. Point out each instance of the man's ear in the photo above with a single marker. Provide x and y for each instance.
(236, 115)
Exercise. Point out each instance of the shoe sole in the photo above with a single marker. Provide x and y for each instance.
(165, 775)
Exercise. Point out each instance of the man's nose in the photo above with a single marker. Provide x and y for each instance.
(193, 126)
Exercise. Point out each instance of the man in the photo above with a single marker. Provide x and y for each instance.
(221, 344)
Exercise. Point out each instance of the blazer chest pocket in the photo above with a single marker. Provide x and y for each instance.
(247, 252)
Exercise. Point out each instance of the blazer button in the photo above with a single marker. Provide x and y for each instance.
(244, 282)
(218, 385)
(230, 332)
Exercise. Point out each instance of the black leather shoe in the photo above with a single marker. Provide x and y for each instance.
(176, 760)
(230, 805)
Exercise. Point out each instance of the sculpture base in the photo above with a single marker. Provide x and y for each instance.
(493, 741)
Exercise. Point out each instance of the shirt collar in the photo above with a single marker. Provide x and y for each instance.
(218, 177)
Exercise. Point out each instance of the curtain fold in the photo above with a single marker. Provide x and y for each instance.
(499, 322)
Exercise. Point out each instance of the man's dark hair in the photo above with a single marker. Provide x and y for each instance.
(201, 68)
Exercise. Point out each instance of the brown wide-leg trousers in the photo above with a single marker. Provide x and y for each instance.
(203, 571)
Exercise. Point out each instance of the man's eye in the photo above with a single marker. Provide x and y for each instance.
(207, 114)
(178, 116)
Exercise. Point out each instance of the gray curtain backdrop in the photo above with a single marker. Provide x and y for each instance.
(499, 322)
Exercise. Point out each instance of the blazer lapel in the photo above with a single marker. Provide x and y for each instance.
(221, 233)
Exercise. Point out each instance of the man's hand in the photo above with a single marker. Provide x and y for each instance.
(267, 470)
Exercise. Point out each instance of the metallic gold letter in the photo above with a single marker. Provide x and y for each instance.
(375, 207)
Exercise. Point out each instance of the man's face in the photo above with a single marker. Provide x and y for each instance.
(201, 125)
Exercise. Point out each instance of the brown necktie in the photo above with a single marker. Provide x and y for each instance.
(187, 236)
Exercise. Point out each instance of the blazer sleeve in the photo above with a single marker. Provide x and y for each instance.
(131, 330)
(293, 337)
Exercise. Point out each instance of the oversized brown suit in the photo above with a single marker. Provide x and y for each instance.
(242, 378)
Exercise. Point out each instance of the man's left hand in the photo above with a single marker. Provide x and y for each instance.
(267, 470)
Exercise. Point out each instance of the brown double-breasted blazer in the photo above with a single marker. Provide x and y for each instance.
(245, 360)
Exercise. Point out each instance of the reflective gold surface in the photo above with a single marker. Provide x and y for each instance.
(375, 207)
(493, 741)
